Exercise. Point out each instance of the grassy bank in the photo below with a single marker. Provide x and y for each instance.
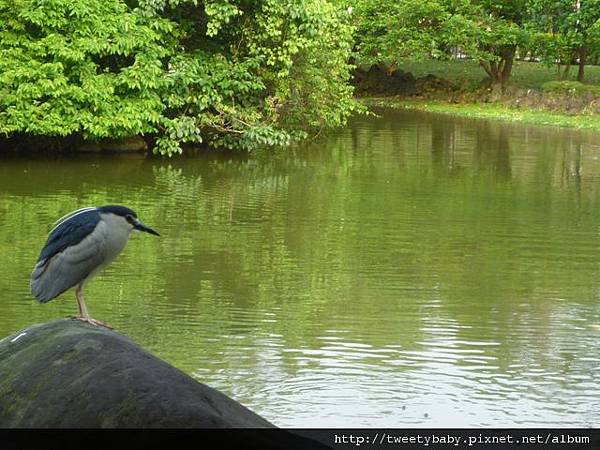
(525, 74)
(495, 111)
(535, 96)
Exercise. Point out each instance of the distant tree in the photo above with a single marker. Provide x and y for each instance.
(499, 32)
(487, 31)
(566, 31)
(389, 31)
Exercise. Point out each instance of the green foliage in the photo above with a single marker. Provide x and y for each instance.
(389, 31)
(305, 73)
(393, 30)
(563, 29)
(491, 32)
(269, 80)
(224, 72)
(90, 67)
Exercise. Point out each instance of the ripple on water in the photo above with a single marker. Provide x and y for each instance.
(412, 270)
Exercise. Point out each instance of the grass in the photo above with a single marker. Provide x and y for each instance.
(526, 75)
(495, 111)
(571, 88)
(467, 72)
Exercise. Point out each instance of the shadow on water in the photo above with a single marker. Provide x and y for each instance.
(409, 270)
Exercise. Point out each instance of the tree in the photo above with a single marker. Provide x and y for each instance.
(566, 31)
(486, 31)
(389, 31)
(262, 73)
(499, 32)
(89, 67)
(232, 73)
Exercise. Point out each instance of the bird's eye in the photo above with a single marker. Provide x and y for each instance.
(129, 218)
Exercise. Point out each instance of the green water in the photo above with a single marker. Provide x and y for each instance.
(410, 270)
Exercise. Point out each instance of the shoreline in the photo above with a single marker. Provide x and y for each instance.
(492, 110)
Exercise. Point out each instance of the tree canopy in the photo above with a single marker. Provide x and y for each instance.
(491, 32)
(230, 73)
(249, 73)
(566, 30)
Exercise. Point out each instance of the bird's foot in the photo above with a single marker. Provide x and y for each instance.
(94, 322)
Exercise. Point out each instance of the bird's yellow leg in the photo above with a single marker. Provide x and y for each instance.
(84, 316)
(83, 312)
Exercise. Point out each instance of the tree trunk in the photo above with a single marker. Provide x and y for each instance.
(499, 71)
(582, 62)
(508, 56)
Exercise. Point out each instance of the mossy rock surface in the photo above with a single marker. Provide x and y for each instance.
(70, 374)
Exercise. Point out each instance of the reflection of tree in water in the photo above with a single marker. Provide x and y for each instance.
(492, 149)
(443, 146)
(376, 234)
(572, 163)
(294, 238)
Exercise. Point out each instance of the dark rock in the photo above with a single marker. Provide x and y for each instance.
(125, 145)
(70, 374)
(431, 83)
(403, 77)
(22, 142)
(376, 80)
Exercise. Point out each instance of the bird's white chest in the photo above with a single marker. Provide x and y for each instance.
(115, 234)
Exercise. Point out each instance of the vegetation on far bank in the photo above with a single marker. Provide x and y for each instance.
(535, 95)
(467, 74)
(527, 60)
(227, 73)
(561, 33)
(244, 74)
(496, 111)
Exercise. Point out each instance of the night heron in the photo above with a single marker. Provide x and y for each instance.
(80, 245)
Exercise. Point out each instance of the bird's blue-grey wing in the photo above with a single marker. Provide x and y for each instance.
(69, 230)
(72, 253)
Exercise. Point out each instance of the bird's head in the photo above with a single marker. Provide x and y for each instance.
(129, 217)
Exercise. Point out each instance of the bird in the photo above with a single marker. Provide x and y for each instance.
(81, 244)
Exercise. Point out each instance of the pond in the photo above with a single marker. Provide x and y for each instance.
(411, 270)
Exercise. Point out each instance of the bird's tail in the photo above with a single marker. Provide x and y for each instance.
(39, 284)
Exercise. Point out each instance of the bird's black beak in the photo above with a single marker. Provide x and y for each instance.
(141, 227)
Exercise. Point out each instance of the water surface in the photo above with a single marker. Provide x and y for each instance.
(410, 270)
